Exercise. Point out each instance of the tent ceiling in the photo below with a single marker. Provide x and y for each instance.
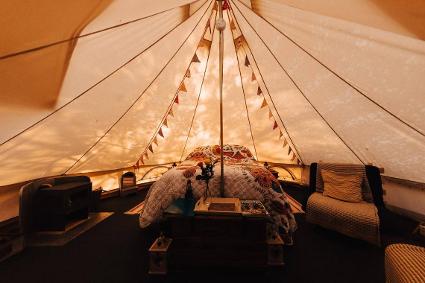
(309, 83)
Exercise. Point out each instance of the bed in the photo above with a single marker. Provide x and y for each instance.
(244, 177)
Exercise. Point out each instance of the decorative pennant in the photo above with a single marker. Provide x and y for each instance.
(247, 61)
(215, 8)
(205, 43)
(137, 164)
(239, 41)
(274, 125)
(293, 157)
(195, 59)
(160, 133)
(176, 100)
(150, 148)
(298, 161)
(271, 115)
(264, 104)
(253, 78)
(289, 150)
(232, 25)
(165, 122)
(182, 87)
(225, 5)
(141, 160)
(171, 113)
(155, 140)
(188, 75)
(146, 155)
(284, 142)
(280, 134)
(208, 25)
(259, 91)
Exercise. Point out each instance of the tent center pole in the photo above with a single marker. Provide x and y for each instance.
(220, 25)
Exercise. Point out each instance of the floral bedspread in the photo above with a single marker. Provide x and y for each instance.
(244, 178)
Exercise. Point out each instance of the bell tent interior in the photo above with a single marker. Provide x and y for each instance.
(138, 132)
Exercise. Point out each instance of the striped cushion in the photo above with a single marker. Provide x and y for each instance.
(345, 168)
(128, 182)
(342, 186)
(404, 263)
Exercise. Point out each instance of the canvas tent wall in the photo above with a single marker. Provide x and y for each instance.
(89, 92)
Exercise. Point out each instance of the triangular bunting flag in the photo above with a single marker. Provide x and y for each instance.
(284, 142)
(182, 87)
(225, 5)
(232, 25)
(141, 160)
(270, 115)
(176, 100)
(195, 59)
(188, 75)
(259, 91)
(146, 155)
(215, 8)
(165, 122)
(280, 134)
(208, 25)
(137, 164)
(274, 125)
(293, 157)
(264, 104)
(171, 112)
(298, 161)
(155, 140)
(160, 133)
(253, 78)
(289, 150)
(239, 41)
(246, 61)
(205, 43)
(150, 148)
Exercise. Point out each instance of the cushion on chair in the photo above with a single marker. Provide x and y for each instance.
(404, 263)
(342, 186)
(347, 169)
(358, 220)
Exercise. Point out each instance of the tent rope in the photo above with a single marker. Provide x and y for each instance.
(96, 84)
(199, 94)
(299, 89)
(88, 34)
(268, 92)
(243, 90)
(141, 94)
(337, 75)
(174, 97)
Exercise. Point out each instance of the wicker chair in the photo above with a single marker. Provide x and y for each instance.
(356, 220)
(404, 264)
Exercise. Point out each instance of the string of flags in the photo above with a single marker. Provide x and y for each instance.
(203, 43)
(239, 43)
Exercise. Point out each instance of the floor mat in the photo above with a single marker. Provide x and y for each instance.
(46, 239)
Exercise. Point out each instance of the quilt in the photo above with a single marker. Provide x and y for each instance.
(244, 178)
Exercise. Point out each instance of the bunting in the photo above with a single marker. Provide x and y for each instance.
(285, 142)
(289, 150)
(208, 25)
(195, 59)
(264, 104)
(280, 134)
(247, 64)
(150, 148)
(155, 140)
(146, 155)
(171, 113)
(293, 157)
(274, 125)
(259, 91)
(205, 43)
(182, 87)
(232, 25)
(188, 75)
(270, 114)
(176, 100)
(253, 78)
(160, 133)
(239, 41)
(165, 122)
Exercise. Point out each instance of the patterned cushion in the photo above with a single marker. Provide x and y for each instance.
(345, 168)
(404, 263)
(342, 186)
(357, 220)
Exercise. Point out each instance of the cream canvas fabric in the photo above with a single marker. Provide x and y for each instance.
(346, 187)
(89, 94)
